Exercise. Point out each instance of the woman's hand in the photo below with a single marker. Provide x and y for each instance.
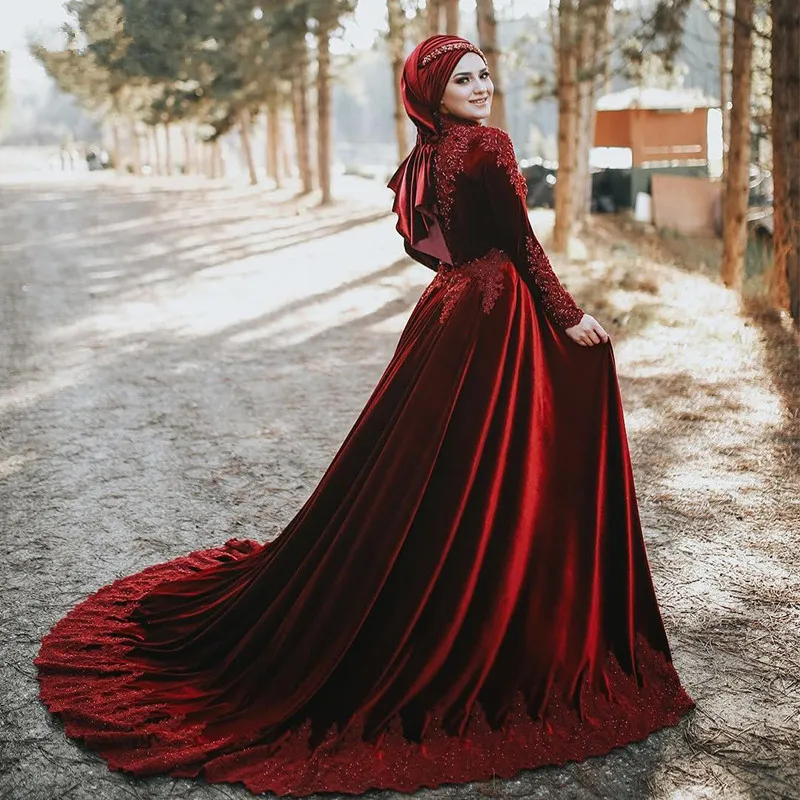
(587, 332)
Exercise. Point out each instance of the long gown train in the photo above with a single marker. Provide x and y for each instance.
(391, 636)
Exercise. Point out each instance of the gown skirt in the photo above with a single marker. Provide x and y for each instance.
(465, 594)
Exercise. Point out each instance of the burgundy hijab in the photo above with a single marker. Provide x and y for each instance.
(425, 76)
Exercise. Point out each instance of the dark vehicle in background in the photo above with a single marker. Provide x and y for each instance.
(97, 158)
(540, 177)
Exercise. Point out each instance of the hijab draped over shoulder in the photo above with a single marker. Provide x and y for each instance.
(425, 75)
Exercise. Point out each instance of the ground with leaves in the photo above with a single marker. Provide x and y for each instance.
(180, 360)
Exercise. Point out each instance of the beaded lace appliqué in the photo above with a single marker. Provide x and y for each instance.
(558, 302)
(449, 165)
(446, 48)
(485, 272)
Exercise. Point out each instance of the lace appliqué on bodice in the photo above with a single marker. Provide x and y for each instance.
(485, 272)
(449, 161)
(458, 138)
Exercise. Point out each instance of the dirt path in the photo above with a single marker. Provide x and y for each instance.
(178, 363)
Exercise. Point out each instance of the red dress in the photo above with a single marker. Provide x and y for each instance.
(465, 594)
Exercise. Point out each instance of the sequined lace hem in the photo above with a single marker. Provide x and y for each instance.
(87, 677)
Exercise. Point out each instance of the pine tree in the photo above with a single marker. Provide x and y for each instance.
(567, 77)
(396, 39)
(785, 283)
(735, 200)
(5, 95)
(487, 41)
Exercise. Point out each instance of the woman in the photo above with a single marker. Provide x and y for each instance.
(465, 594)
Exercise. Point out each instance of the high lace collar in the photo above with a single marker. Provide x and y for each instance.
(448, 123)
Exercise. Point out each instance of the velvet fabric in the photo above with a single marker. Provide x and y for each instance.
(465, 594)
(425, 75)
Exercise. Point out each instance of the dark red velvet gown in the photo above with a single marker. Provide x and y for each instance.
(466, 593)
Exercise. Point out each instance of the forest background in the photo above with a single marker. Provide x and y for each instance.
(201, 69)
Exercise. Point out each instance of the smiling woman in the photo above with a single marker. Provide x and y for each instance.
(466, 593)
(468, 94)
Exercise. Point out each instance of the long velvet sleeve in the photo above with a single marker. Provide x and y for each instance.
(506, 189)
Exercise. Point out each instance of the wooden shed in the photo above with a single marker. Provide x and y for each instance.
(657, 125)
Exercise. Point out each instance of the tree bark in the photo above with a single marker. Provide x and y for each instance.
(116, 147)
(397, 44)
(735, 203)
(136, 147)
(487, 41)
(785, 275)
(218, 165)
(567, 122)
(274, 143)
(592, 24)
(211, 159)
(157, 149)
(451, 17)
(188, 152)
(247, 150)
(302, 133)
(434, 16)
(324, 112)
(724, 82)
(168, 149)
(285, 157)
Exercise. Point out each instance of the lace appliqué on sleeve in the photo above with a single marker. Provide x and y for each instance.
(563, 310)
(449, 161)
(557, 301)
(498, 143)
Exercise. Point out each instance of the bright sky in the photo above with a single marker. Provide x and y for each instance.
(23, 19)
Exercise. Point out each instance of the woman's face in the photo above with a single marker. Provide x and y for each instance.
(469, 90)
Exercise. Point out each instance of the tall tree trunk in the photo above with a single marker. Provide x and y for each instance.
(397, 44)
(188, 152)
(285, 159)
(274, 143)
(116, 147)
(168, 149)
(487, 41)
(592, 24)
(434, 16)
(135, 147)
(567, 122)
(247, 150)
(724, 81)
(148, 150)
(785, 274)
(324, 111)
(204, 158)
(734, 231)
(153, 129)
(218, 164)
(302, 131)
(451, 17)
(211, 159)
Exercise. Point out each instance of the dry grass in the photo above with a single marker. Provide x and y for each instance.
(712, 392)
(182, 369)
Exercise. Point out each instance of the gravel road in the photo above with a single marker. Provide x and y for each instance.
(179, 361)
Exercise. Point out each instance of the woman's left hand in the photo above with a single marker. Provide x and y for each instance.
(587, 332)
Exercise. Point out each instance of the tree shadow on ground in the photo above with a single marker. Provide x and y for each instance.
(172, 443)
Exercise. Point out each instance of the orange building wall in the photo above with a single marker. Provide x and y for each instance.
(655, 135)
